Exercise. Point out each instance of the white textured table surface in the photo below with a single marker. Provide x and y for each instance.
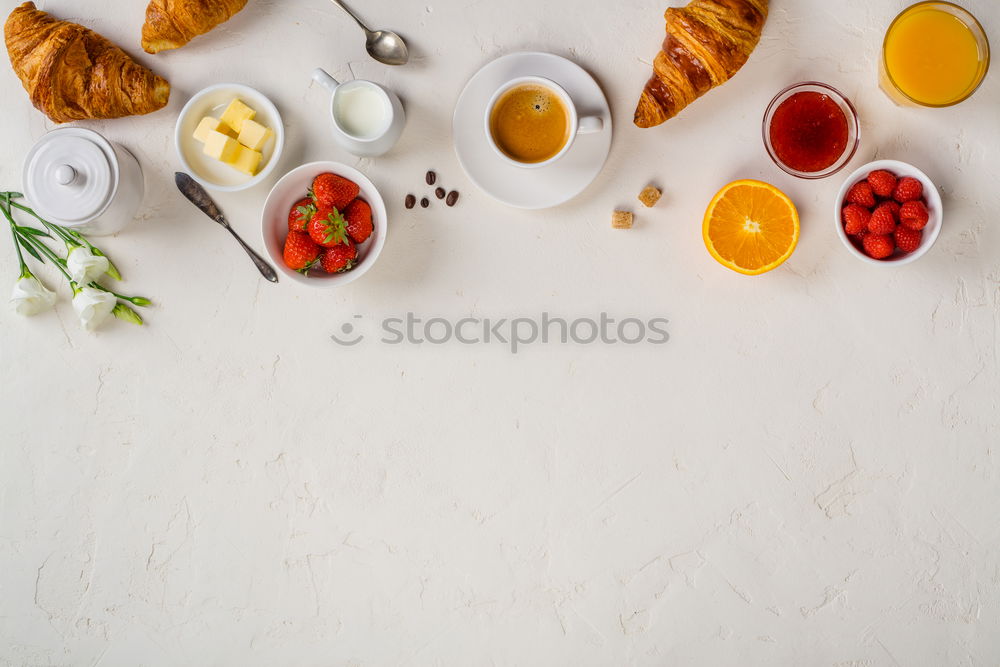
(808, 473)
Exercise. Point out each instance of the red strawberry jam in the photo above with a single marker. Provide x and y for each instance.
(809, 131)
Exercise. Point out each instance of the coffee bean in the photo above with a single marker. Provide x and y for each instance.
(424, 203)
(452, 198)
(439, 193)
(410, 201)
(431, 178)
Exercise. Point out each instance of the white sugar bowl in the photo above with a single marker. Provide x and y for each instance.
(76, 178)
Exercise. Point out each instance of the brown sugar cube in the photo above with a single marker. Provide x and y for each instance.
(621, 220)
(649, 196)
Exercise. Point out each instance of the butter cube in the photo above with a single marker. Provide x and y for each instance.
(247, 160)
(254, 135)
(236, 113)
(209, 124)
(220, 146)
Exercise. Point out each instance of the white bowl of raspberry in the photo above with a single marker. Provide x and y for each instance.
(888, 212)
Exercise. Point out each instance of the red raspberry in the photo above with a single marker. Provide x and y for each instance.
(858, 240)
(879, 246)
(861, 194)
(908, 240)
(882, 221)
(893, 207)
(883, 182)
(908, 189)
(914, 215)
(855, 219)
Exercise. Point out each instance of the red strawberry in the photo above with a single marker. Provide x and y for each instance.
(882, 220)
(908, 189)
(339, 258)
(300, 214)
(855, 219)
(359, 220)
(330, 190)
(300, 251)
(907, 239)
(883, 182)
(879, 246)
(328, 227)
(861, 194)
(914, 215)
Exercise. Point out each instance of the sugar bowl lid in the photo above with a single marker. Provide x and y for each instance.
(71, 176)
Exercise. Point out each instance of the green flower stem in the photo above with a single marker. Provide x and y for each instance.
(70, 236)
(25, 273)
(28, 238)
(61, 264)
(134, 300)
(47, 251)
(51, 226)
(58, 231)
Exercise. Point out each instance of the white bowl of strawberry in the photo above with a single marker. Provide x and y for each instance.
(888, 212)
(324, 224)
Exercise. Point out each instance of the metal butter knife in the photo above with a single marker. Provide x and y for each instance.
(197, 195)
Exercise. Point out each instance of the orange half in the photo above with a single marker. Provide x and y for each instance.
(751, 227)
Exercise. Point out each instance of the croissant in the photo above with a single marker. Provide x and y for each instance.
(170, 24)
(707, 43)
(72, 73)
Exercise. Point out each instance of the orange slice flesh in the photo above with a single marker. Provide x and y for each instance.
(751, 227)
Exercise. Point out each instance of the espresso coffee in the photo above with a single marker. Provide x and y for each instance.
(530, 123)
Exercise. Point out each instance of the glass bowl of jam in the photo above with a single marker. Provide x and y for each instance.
(811, 130)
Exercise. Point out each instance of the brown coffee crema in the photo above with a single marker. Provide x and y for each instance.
(530, 123)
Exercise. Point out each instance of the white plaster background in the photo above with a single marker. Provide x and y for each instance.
(807, 474)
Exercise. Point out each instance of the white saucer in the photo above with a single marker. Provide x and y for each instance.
(545, 186)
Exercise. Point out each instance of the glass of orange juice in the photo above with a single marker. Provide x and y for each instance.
(935, 54)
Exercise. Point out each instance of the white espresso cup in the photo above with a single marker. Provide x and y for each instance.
(576, 124)
(367, 119)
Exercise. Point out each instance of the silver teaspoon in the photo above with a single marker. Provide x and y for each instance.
(384, 46)
(200, 198)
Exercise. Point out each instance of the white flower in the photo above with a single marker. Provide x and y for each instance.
(84, 266)
(31, 297)
(93, 306)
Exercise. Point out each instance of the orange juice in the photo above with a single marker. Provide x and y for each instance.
(935, 54)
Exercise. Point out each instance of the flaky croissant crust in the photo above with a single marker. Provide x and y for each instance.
(707, 43)
(73, 73)
(171, 24)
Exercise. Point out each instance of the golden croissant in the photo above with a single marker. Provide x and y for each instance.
(72, 73)
(707, 43)
(170, 24)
